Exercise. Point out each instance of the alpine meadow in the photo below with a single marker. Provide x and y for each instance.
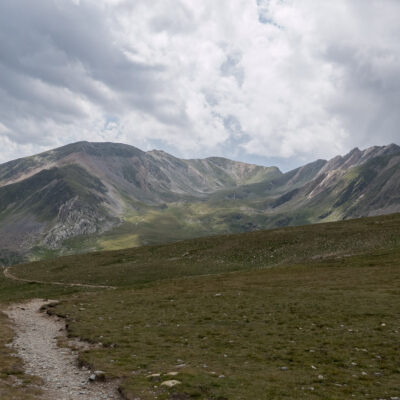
(199, 200)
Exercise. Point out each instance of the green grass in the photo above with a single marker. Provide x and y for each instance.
(235, 332)
(154, 225)
(12, 291)
(219, 254)
(261, 315)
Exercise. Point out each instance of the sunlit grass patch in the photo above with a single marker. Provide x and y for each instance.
(119, 242)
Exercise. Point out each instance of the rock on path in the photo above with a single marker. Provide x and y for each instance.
(36, 345)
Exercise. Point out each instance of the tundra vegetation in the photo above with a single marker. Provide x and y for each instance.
(303, 312)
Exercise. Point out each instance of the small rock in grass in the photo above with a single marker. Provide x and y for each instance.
(313, 367)
(171, 383)
(98, 376)
(173, 373)
(320, 377)
(284, 368)
(153, 376)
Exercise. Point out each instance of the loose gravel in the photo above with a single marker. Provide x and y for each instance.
(36, 344)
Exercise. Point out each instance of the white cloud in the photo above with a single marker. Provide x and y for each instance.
(267, 78)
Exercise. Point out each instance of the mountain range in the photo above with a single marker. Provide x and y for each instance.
(93, 196)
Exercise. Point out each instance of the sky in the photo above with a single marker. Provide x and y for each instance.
(273, 82)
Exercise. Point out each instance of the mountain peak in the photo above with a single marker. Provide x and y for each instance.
(99, 149)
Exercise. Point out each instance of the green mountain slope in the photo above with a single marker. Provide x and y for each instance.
(85, 189)
(92, 196)
(220, 254)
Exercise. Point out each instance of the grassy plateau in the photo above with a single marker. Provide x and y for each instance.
(309, 312)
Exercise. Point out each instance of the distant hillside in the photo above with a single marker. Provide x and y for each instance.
(93, 196)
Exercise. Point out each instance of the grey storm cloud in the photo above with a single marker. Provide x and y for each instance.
(369, 97)
(50, 44)
(263, 80)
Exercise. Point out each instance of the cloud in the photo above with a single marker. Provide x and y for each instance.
(262, 80)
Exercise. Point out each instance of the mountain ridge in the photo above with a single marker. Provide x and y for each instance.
(112, 195)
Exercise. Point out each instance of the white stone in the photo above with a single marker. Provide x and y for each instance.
(171, 383)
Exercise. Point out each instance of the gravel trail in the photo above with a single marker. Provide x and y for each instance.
(9, 275)
(36, 345)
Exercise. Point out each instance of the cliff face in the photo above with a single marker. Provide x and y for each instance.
(115, 191)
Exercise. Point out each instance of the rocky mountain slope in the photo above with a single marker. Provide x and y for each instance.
(86, 188)
(87, 196)
(362, 183)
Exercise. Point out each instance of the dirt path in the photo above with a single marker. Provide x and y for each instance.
(9, 275)
(36, 344)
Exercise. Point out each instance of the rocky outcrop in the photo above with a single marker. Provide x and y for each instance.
(76, 218)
